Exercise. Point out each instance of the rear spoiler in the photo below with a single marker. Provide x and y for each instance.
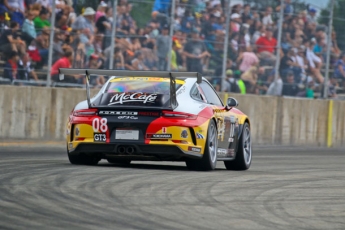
(124, 73)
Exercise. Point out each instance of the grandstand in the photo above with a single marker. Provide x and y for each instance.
(199, 32)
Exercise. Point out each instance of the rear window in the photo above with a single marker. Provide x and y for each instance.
(138, 91)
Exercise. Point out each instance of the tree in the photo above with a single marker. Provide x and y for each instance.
(338, 21)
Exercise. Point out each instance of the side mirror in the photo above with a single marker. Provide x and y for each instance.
(231, 102)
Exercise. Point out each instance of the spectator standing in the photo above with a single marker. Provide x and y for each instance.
(174, 53)
(195, 52)
(247, 59)
(103, 25)
(100, 10)
(85, 21)
(311, 17)
(162, 44)
(230, 84)
(267, 17)
(64, 62)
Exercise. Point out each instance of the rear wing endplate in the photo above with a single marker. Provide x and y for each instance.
(123, 73)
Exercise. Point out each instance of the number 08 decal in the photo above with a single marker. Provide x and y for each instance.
(100, 124)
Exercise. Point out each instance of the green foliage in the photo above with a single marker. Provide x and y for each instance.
(86, 3)
(338, 21)
(141, 11)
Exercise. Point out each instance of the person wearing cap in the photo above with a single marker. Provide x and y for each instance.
(86, 20)
(290, 88)
(100, 10)
(162, 44)
(311, 17)
(174, 52)
(230, 84)
(195, 52)
(235, 22)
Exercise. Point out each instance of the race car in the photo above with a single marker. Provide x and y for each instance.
(157, 115)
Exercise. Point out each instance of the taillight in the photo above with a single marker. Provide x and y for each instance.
(179, 115)
(85, 113)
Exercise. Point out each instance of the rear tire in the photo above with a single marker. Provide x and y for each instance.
(243, 158)
(119, 161)
(209, 160)
(82, 159)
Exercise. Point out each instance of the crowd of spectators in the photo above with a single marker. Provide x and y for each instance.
(83, 41)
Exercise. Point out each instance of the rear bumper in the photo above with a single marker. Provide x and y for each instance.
(113, 150)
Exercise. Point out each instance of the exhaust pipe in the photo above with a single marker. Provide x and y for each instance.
(121, 149)
(129, 150)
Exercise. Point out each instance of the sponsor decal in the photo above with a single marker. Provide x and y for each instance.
(202, 106)
(226, 152)
(181, 91)
(99, 137)
(199, 136)
(154, 114)
(231, 139)
(128, 113)
(77, 132)
(159, 136)
(127, 117)
(70, 146)
(222, 152)
(121, 98)
(194, 149)
(164, 129)
(184, 134)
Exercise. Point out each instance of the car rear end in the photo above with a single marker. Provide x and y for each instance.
(132, 120)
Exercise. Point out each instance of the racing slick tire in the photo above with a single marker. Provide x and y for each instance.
(243, 158)
(209, 159)
(82, 159)
(119, 161)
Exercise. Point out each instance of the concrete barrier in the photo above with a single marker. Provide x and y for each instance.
(41, 113)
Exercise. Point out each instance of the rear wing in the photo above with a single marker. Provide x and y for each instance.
(124, 73)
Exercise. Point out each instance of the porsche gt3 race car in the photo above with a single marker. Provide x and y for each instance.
(166, 116)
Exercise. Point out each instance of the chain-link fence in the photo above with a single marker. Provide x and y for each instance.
(251, 53)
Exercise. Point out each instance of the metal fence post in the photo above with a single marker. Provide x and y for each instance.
(171, 33)
(280, 29)
(329, 44)
(113, 34)
(51, 41)
(226, 42)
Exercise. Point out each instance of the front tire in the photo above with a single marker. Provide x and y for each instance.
(243, 158)
(209, 160)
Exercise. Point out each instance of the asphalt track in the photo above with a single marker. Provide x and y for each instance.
(284, 189)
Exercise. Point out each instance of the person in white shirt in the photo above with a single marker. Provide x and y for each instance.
(267, 18)
(315, 62)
